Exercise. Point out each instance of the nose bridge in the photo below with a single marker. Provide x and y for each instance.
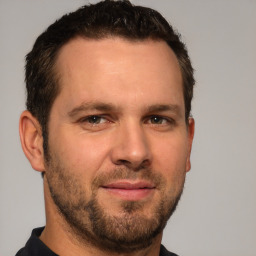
(131, 146)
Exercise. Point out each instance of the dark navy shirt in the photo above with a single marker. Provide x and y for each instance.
(35, 247)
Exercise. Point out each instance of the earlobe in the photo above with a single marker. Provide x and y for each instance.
(32, 140)
(191, 131)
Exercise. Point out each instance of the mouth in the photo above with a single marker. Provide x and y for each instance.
(131, 191)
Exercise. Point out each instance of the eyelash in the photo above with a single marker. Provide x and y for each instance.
(167, 120)
(88, 119)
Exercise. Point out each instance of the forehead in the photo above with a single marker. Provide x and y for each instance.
(93, 52)
(91, 69)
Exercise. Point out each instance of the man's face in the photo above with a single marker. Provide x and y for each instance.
(118, 142)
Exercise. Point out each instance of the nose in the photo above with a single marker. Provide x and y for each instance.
(131, 148)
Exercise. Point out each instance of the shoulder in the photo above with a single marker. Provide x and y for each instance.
(165, 252)
(22, 252)
(34, 246)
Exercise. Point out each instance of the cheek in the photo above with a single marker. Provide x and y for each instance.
(172, 165)
(170, 157)
(82, 153)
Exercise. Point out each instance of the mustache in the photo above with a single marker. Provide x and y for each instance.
(124, 173)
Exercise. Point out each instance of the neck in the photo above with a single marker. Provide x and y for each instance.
(62, 240)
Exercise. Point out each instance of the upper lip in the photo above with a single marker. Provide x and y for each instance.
(129, 185)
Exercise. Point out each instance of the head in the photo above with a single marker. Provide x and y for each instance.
(102, 20)
(110, 87)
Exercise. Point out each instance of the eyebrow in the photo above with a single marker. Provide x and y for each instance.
(100, 106)
(91, 106)
(164, 107)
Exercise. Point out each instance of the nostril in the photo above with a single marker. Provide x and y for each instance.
(135, 166)
(122, 162)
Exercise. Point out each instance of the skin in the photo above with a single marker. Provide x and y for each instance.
(134, 91)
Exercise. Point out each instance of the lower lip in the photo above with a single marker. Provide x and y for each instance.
(130, 194)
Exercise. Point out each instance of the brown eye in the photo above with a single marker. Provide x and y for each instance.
(94, 119)
(95, 123)
(157, 120)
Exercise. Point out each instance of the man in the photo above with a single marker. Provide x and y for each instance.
(108, 124)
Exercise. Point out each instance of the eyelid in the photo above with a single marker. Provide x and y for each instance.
(86, 118)
(165, 121)
(101, 122)
(166, 118)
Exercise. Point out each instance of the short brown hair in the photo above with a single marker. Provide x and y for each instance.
(97, 21)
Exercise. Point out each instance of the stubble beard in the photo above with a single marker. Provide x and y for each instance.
(128, 231)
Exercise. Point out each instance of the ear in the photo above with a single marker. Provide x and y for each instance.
(32, 140)
(191, 131)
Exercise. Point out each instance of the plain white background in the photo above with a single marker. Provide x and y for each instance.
(216, 216)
